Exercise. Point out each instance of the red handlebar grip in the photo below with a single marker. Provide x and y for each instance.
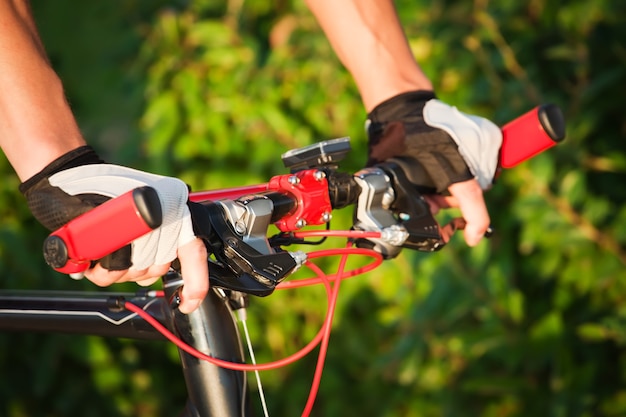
(103, 230)
(530, 134)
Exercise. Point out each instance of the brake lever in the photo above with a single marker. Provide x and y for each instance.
(413, 211)
(223, 277)
(220, 276)
(391, 202)
(238, 265)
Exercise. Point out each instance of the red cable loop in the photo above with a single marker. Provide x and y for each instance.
(321, 278)
(347, 251)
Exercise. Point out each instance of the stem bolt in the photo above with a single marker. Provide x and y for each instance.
(319, 175)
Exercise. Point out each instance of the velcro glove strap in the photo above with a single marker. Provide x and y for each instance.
(57, 198)
(446, 145)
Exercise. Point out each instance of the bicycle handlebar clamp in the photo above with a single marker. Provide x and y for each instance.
(412, 210)
(390, 202)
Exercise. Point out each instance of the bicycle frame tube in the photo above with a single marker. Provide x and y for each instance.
(212, 391)
(96, 314)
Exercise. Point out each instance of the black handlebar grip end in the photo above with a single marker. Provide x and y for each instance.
(149, 206)
(55, 252)
(552, 121)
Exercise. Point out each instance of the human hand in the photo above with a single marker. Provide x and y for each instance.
(79, 181)
(453, 155)
(194, 270)
(468, 197)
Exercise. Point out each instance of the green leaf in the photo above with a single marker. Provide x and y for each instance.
(592, 332)
(549, 327)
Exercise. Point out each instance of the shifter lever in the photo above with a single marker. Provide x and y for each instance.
(238, 265)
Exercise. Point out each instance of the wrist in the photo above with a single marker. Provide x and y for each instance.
(374, 96)
(83, 155)
(400, 106)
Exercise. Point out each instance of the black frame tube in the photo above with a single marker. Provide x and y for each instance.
(212, 391)
(85, 313)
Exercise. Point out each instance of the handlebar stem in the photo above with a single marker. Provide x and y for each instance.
(310, 190)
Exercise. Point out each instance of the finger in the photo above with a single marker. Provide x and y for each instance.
(103, 277)
(437, 202)
(470, 200)
(195, 271)
(152, 275)
(147, 281)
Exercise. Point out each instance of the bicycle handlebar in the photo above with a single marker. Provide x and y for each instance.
(312, 194)
(530, 134)
(103, 230)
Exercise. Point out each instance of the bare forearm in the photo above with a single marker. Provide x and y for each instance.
(369, 41)
(36, 123)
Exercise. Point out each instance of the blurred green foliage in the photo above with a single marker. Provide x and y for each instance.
(531, 322)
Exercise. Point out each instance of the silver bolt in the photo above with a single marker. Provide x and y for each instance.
(319, 175)
(300, 223)
(326, 217)
(240, 227)
(293, 180)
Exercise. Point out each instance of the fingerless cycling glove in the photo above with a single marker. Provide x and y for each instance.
(441, 144)
(79, 181)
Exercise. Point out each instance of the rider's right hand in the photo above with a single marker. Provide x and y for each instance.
(453, 155)
(79, 181)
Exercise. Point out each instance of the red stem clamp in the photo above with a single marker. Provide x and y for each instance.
(310, 189)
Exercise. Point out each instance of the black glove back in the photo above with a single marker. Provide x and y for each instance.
(442, 145)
